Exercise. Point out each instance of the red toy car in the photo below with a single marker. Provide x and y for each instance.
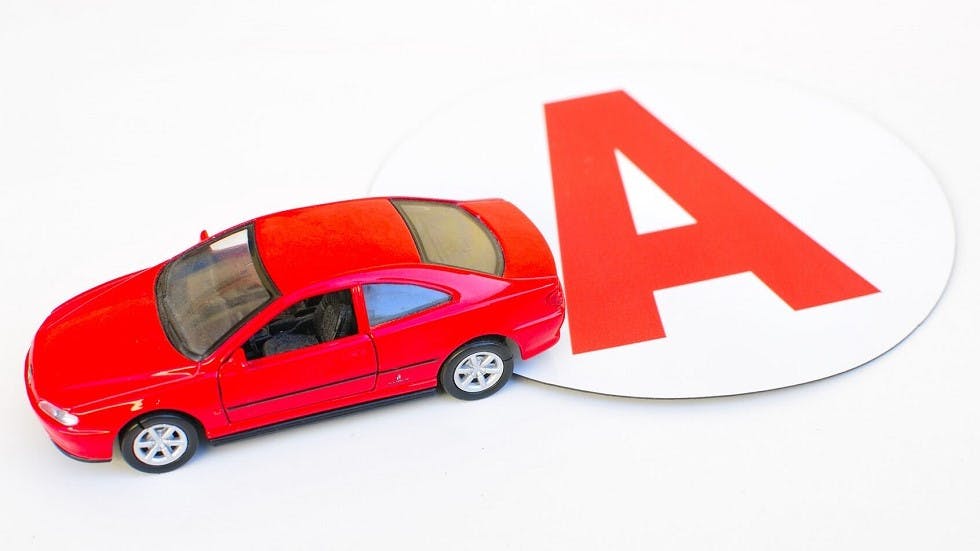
(293, 317)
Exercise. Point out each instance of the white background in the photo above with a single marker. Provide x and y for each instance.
(125, 128)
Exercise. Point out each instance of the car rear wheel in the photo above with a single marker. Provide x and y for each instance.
(477, 370)
(159, 443)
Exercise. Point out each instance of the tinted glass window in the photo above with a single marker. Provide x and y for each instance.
(388, 301)
(446, 234)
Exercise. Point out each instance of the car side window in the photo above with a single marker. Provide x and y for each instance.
(309, 322)
(390, 301)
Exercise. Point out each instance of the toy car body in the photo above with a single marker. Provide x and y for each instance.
(291, 317)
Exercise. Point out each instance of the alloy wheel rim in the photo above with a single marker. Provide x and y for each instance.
(478, 372)
(160, 444)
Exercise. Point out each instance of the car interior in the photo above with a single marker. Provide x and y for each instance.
(309, 322)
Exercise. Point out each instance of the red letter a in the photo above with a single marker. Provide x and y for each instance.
(611, 272)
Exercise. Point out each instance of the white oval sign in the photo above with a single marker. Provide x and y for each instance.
(716, 235)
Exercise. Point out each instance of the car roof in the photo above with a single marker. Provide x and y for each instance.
(304, 246)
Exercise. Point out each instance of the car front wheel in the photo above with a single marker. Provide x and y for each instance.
(159, 443)
(477, 370)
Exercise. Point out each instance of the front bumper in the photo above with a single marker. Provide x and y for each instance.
(83, 444)
(79, 458)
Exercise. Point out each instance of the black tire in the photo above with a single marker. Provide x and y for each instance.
(456, 380)
(166, 441)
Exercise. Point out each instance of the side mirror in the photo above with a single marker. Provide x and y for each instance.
(204, 235)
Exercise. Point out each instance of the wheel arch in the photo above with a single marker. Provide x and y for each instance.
(201, 433)
(510, 343)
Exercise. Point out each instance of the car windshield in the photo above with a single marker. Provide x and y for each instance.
(207, 292)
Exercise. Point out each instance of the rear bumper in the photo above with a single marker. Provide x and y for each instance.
(539, 335)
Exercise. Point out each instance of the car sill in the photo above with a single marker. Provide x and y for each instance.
(319, 416)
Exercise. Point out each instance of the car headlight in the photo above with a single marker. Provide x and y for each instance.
(58, 414)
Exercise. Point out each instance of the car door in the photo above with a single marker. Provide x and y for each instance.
(414, 328)
(313, 352)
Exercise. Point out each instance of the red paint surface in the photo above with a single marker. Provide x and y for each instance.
(526, 252)
(103, 341)
(104, 356)
(610, 271)
(304, 246)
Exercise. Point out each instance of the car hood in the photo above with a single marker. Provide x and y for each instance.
(105, 342)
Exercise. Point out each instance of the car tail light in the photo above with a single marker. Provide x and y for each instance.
(556, 299)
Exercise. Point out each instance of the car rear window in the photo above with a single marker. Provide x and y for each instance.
(448, 235)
